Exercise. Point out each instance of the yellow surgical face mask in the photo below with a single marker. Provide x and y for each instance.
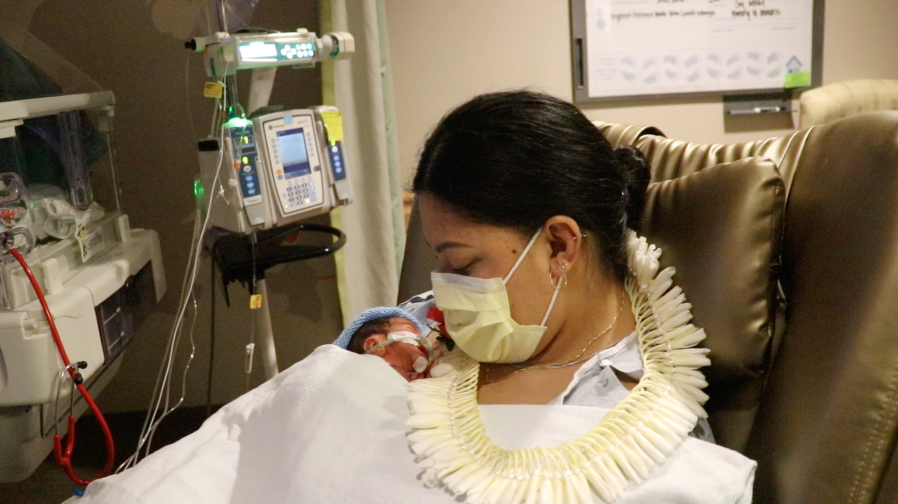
(478, 315)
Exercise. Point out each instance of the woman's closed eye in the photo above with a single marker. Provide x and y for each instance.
(464, 270)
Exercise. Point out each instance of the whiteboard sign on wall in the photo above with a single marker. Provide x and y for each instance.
(650, 48)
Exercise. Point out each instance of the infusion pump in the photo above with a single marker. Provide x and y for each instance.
(276, 169)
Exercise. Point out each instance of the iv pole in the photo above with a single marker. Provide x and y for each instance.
(335, 46)
(260, 94)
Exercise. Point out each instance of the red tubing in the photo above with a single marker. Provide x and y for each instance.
(63, 458)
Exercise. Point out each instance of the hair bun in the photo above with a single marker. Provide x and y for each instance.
(639, 174)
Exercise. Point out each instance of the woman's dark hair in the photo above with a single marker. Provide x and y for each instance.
(517, 158)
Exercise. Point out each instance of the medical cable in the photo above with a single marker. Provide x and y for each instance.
(165, 369)
(163, 385)
(167, 385)
(187, 96)
(194, 261)
(216, 117)
(163, 382)
(167, 410)
(211, 336)
(188, 290)
(110, 148)
(64, 457)
(254, 290)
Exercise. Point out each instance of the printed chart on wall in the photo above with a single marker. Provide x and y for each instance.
(631, 48)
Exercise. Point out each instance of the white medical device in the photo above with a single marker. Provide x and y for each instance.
(101, 278)
(279, 168)
(275, 168)
(225, 54)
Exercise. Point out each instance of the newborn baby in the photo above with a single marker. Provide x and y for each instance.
(395, 336)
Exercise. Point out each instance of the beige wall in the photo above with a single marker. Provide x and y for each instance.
(444, 51)
(115, 43)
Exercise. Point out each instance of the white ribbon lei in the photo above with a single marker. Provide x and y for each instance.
(636, 436)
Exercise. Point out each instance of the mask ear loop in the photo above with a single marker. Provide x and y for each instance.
(561, 280)
(523, 255)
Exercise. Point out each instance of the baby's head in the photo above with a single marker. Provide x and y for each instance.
(396, 340)
(392, 334)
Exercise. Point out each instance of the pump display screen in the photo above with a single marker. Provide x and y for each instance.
(258, 51)
(294, 157)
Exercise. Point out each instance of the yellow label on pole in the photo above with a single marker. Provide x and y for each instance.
(797, 79)
(213, 90)
(333, 123)
(255, 301)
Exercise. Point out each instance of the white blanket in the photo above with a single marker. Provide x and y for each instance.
(331, 429)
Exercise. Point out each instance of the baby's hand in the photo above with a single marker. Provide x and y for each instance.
(444, 360)
(438, 349)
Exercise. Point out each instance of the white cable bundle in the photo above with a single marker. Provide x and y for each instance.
(160, 403)
(636, 436)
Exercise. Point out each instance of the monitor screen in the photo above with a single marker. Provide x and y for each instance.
(259, 51)
(294, 157)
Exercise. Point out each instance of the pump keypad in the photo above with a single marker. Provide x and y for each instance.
(300, 191)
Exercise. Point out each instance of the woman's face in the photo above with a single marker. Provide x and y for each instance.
(485, 251)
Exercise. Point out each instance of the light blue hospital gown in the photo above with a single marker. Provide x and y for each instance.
(595, 383)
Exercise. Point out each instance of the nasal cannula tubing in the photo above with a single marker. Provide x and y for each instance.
(163, 382)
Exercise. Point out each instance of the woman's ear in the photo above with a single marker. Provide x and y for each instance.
(372, 341)
(566, 240)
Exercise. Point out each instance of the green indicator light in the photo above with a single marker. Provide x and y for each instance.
(235, 111)
(237, 122)
(199, 192)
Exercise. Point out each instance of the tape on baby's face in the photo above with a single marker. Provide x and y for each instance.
(403, 337)
(409, 338)
(420, 364)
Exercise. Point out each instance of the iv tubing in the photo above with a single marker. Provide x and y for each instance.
(163, 383)
(64, 458)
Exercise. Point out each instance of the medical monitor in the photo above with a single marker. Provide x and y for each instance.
(294, 155)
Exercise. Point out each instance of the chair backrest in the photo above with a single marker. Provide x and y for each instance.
(842, 99)
(827, 423)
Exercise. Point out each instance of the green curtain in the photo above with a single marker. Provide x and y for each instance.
(361, 87)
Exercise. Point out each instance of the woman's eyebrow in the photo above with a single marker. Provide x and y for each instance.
(448, 245)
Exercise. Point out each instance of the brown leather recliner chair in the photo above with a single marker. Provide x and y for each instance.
(847, 98)
(825, 425)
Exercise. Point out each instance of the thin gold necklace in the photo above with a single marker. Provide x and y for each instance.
(576, 360)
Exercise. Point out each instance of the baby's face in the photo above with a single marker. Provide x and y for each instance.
(400, 356)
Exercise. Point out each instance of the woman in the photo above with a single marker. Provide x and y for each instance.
(530, 213)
